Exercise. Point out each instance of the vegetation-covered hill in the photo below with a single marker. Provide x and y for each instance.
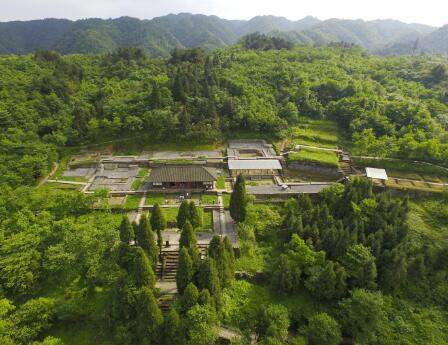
(387, 107)
(159, 36)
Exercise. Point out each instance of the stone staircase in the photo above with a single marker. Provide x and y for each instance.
(346, 169)
(167, 267)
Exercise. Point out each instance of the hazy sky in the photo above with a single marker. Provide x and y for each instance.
(433, 12)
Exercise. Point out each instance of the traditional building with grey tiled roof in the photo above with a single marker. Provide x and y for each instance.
(182, 177)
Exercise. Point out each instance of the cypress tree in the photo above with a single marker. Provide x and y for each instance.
(126, 231)
(146, 240)
(134, 230)
(149, 316)
(238, 200)
(189, 298)
(185, 272)
(144, 275)
(229, 259)
(208, 277)
(194, 218)
(158, 221)
(187, 236)
(205, 298)
(171, 329)
(183, 214)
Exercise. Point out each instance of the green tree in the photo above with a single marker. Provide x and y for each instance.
(189, 298)
(149, 317)
(323, 330)
(361, 268)
(201, 321)
(144, 274)
(146, 240)
(208, 277)
(187, 236)
(183, 214)
(185, 271)
(238, 200)
(361, 314)
(193, 213)
(271, 323)
(158, 221)
(126, 231)
(172, 329)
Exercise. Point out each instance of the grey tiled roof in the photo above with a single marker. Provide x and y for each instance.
(185, 173)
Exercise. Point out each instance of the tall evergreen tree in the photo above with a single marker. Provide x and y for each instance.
(149, 317)
(146, 240)
(187, 236)
(158, 221)
(238, 200)
(185, 271)
(194, 217)
(208, 277)
(172, 329)
(144, 274)
(189, 298)
(126, 231)
(183, 214)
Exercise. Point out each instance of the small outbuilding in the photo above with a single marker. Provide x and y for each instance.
(254, 167)
(182, 177)
(376, 174)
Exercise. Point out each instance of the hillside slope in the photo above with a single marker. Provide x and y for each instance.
(159, 36)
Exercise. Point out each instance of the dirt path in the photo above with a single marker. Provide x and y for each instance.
(53, 170)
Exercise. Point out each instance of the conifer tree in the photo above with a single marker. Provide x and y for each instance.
(155, 98)
(208, 277)
(149, 317)
(144, 274)
(205, 298)
(172, 329)
(193, 213)
(146, 240)
(185, 271)
(158, 221)
(126, 231)
(189, 298)
(187, 236)
(238, 200)
(183, 214)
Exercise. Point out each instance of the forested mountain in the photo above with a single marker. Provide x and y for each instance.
(159, 36)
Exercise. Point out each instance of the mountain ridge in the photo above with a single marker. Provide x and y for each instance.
(160, 35)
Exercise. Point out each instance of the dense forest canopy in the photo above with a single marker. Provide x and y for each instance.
(386, 107)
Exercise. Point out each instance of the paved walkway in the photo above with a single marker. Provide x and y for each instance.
(68, 182)
(223, 223)
(141, 205)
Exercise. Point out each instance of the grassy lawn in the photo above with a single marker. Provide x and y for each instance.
(322, 133)
(143, 172)
(325, 158)
(428, 221)
(220, 182)
(209, 199)
(226, 199)
(155, 198)
(292, 175)
(136, 184)
(402, 167)
(207, 219)
(61, 186)
(413, 185)
(132, 201)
